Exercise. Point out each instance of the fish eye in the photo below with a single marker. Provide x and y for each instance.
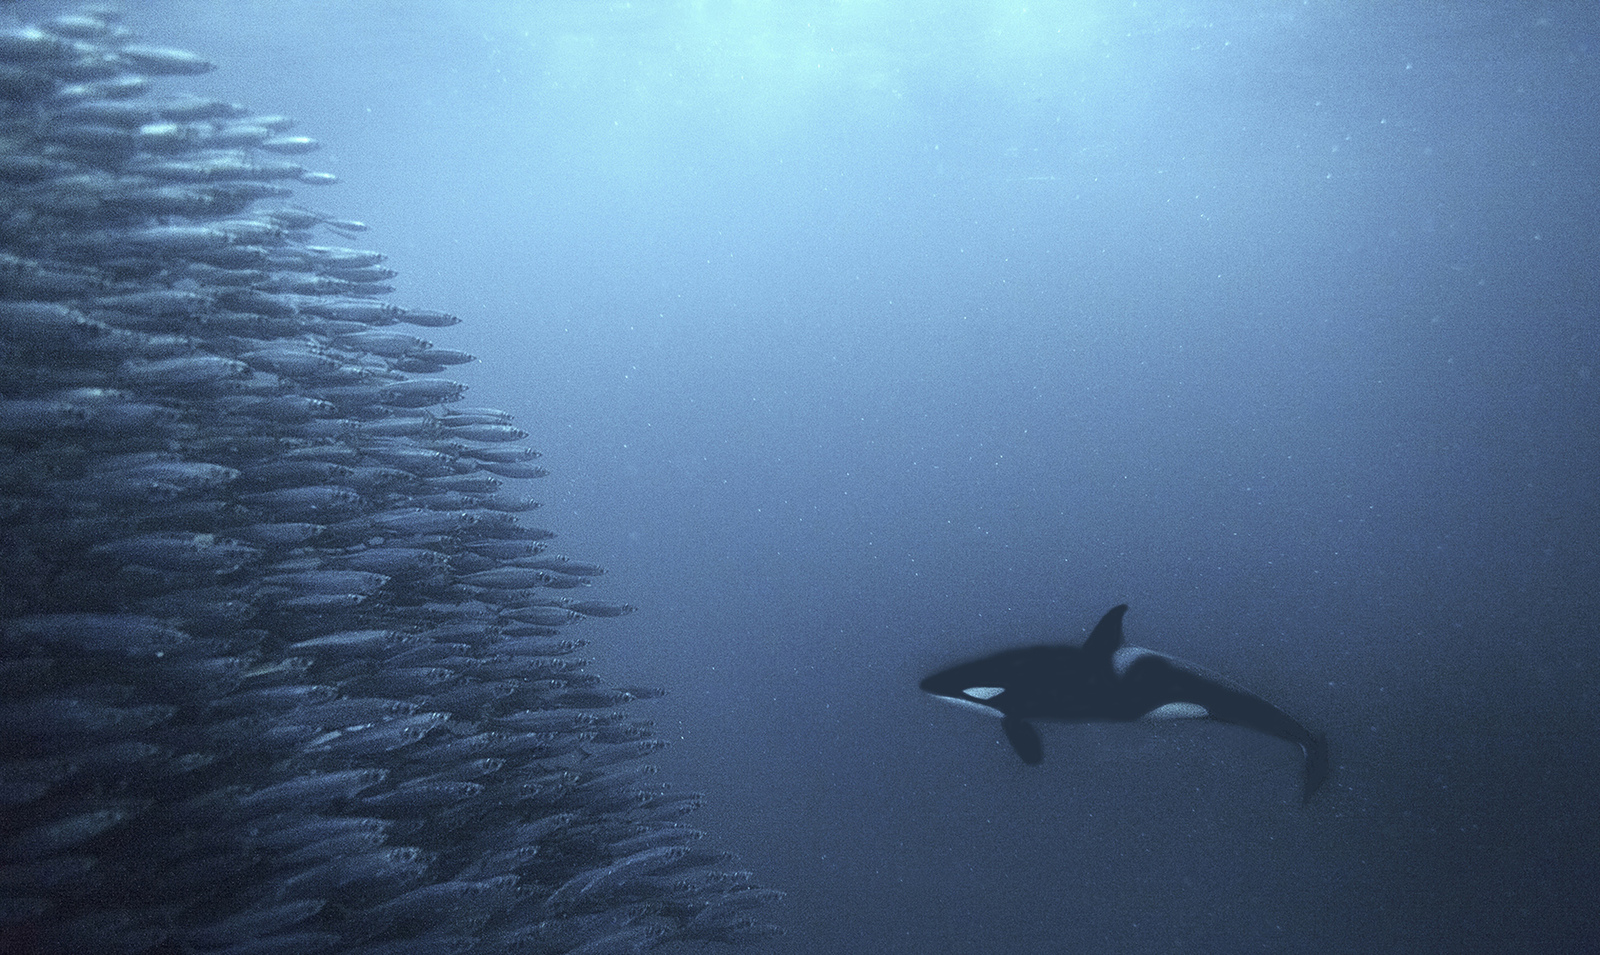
(983, 692)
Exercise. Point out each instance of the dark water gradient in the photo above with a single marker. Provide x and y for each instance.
(864, 338)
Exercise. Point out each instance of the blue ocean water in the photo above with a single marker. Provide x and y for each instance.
(862, 338)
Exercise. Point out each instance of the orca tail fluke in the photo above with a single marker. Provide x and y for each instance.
(1317, 768)
(1154, 679)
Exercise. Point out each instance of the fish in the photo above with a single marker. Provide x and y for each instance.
(273, 681)
(1107, 680)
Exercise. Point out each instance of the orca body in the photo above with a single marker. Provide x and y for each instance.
(1105, 680)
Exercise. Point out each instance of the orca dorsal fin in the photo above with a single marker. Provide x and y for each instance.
(1106, 637)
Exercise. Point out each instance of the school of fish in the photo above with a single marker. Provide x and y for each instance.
(282, 667)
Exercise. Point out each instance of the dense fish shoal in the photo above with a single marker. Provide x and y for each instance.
(283, 665)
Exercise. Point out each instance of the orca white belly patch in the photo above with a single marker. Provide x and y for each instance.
(981, 707)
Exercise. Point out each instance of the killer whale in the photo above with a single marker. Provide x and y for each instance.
(1106, 680)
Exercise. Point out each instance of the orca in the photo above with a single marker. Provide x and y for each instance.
(1105, 680)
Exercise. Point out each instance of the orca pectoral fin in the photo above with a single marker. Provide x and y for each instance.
(1024, 739)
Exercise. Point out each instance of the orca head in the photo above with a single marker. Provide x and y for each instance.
(973, 685)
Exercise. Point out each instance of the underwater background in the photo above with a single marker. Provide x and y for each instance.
(861, 338)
